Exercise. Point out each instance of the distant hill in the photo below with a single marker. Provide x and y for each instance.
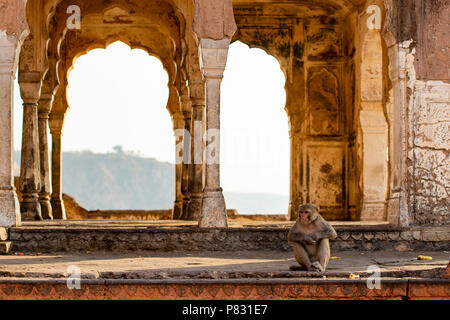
(124, 180)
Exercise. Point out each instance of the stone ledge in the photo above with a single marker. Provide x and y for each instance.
(51, 239)
(38, 289)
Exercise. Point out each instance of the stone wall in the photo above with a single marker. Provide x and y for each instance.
(429, 148)
(429, 115)
(421, 33)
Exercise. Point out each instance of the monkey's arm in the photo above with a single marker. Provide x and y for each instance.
(326, 231)
(295, 236)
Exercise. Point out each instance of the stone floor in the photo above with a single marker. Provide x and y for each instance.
(216, 265)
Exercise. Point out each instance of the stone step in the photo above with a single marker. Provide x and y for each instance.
(5, 247)
(3, 234)
(235, 289)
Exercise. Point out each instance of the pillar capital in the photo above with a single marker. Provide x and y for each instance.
(45, 106)
(197, 94)
(178, 121)
(187, 114)
(30, 86)
(56, 123)
(213, 57)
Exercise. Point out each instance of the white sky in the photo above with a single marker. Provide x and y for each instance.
(118, 96)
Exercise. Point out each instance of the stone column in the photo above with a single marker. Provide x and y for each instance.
(9, 205)
(374, 129)
(397, 211)
(30, 176)
(57, 203)
(178, 125)
(294, 178)
(196, 168)
(186, 164)
(213, 57)
(46, 188)
(375, 142)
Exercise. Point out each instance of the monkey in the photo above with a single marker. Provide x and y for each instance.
(310, 237)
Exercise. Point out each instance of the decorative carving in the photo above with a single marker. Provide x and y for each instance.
(323, 101)
(323, 42)
(325, 178)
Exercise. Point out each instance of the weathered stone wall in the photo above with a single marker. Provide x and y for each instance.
(429, 115)
(429, 148)
(421, 31)
(429, 111)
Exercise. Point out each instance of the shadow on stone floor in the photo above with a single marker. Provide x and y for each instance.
(211, 265)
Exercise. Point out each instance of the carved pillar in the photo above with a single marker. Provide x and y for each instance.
(186, 164)
(397, 212)
(57, 203)
(213, 57)
(46, 188)
(374, 129)
(196, 168)
(9, 205)
(375, 141)
(178, 127)
(30, 176)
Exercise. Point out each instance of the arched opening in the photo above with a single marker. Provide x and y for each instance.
(374, 129)
(117, 115)
(254, 135)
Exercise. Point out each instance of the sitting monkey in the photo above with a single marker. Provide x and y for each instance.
(310, 237)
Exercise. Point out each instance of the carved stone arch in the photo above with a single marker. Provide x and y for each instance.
(270, 50)
(172, 23)
(273, 52)
(72, 54)
(170, 26)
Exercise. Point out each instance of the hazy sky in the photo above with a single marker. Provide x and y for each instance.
(118, 96)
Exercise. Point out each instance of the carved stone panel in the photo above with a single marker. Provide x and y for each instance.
(325, 167)
(323, 42)
(323, 102)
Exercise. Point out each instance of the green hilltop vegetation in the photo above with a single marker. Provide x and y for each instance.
(126, 180)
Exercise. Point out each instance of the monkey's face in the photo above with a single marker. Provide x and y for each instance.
(304, 216)
(307, 213)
